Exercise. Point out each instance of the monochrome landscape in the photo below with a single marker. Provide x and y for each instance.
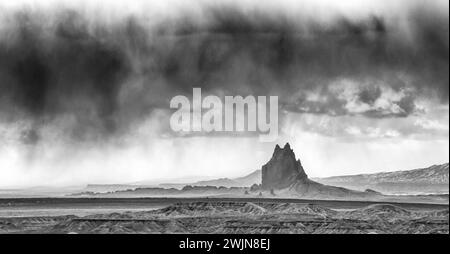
(238, 117)
(284, 200)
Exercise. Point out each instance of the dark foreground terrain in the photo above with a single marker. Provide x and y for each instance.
(164, 215)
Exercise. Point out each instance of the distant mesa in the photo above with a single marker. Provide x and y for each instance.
(429, 180)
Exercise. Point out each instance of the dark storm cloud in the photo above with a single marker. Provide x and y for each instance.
(70, 71)
(109, 77)
(370, 94)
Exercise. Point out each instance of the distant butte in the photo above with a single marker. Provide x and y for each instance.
(285, 172)
(282, 170)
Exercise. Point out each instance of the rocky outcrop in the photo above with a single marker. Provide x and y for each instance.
(285, 172)
(282, 170)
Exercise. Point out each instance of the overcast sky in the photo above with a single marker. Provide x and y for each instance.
(85, 86)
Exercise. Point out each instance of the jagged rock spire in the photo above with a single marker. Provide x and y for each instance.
(282, 170)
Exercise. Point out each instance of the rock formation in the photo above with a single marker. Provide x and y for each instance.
(282, 170)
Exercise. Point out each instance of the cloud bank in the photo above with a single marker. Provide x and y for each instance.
(104, 77)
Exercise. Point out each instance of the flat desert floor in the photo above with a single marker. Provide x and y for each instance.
(218, 215)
